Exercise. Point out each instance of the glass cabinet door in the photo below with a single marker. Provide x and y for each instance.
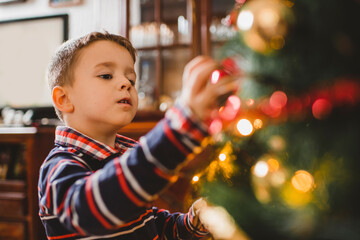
(219, 29)
(161, 30)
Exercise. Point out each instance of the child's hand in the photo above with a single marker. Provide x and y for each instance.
(197, 92)
(196, 208)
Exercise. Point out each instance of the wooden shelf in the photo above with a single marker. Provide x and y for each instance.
(19, 217)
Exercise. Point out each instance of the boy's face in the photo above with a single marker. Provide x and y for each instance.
(103, 92)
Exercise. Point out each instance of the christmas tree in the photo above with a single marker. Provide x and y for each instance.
(288, 145)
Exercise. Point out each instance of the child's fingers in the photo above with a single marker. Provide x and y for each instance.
(200, 76)
(229, 86)
(192, 65)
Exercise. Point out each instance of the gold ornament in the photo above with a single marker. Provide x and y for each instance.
(264, 24)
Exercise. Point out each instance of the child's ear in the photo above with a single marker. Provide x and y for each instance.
(61, 99)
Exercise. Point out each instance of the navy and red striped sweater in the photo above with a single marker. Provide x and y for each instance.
(88, 190)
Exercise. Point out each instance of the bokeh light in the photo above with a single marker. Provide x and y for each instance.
(215, 76)
(294, 198)
(231, 108)
(277, 178)
(278, 100)
(273, 164)
(215, 126)
(302, 181)
(245, 20)
(277, 143)
(268, 17)
(258, 123)
(250, 102)
(195, 178)
(244, 127)
(261, 169)
(321, 108)
(277, 42)
(222, 156)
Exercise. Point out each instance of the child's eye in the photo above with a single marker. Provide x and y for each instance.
(106, 76)
(132, 82)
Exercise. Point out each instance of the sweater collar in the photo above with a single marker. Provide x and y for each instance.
(70, 138)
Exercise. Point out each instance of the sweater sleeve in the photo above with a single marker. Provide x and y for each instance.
(107, 200)
(175, 226)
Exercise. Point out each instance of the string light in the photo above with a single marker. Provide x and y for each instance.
(245, 20)
(273, 165)
(278, 100)
(258, 123)
(222, 157)
(250, 102)
(195, 179)
(321, 108)
(244, 127)
(261, 169)
(302, 181)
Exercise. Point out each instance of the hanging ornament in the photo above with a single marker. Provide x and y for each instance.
(264, 24)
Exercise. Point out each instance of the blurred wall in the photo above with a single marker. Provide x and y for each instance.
(90, 15)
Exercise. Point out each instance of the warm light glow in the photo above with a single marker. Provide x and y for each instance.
(321, 108)
(295, 198)
(277, 42)
(222, 157)
(235, 102)
(195, 178)
(268, 18)
(215, 76)
(261, 168)
(231, 108)
(245, 20)
(215, 126)
(302, 181)
(273, 165)
(258, 123)
(277, 178)
(250, 102)
(277, 143)
(278, 100)
(244, 127)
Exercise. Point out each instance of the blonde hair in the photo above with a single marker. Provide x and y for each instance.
(61, 67)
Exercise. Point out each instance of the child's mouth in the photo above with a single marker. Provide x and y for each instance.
(125, 101)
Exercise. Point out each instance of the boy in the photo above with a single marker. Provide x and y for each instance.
(96, 184)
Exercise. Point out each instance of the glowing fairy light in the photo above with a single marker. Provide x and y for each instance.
(231, 108)
(250, 102)
(258, 123)
(268, 17)
(244, 127)
(215, 76)
(277, 178)
(321, 108)
(302, 181)
(215, 126)
(235, 102)
(245, 20)
(222, 157)
(261, 169)
(273, 165)
(195, 179)
(278, 100)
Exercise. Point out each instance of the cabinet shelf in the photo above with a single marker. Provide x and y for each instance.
(164, 47)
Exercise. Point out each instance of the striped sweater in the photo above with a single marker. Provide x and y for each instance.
(88, 190)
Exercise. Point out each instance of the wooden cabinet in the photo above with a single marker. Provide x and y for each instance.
(22, 150)
(167, 35)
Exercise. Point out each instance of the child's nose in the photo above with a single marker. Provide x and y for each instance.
(125, 85)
